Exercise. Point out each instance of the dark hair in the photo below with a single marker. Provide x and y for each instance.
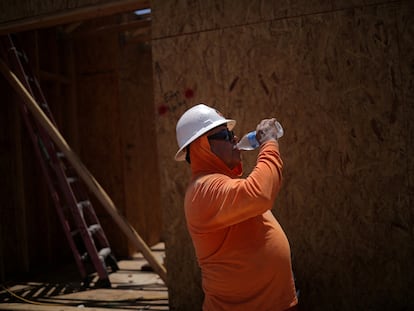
(187, 154)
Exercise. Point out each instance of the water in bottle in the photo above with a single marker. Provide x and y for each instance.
(249, 141)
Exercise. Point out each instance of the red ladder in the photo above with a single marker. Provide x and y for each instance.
(81, 226)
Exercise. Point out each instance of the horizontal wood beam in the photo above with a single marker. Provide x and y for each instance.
(140, 24)
(73, 15)
(138, 39)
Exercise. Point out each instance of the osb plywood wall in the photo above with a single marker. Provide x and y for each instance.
(338, 75)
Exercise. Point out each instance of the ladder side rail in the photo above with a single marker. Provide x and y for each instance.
(54, 193)
(83, 198)
(90, 215)
(80, 221)
(32, 84)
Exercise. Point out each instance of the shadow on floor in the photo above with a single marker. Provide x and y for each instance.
(133, 287)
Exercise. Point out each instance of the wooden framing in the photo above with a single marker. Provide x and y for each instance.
(69, 16)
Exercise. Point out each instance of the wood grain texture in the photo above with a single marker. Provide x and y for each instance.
(340, 83)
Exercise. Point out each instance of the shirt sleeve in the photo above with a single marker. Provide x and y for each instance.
(216, 201)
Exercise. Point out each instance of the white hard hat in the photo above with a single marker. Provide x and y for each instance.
(195, 122)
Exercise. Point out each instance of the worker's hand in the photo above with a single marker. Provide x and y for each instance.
(266, 130)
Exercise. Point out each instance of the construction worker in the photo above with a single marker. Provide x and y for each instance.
(242, 250)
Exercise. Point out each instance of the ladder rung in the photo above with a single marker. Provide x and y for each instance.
(104, 252)
(71, 180)
(94, 228)
(84, 256)
(83, 204)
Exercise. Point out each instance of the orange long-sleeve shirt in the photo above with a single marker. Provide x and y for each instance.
(242, 251)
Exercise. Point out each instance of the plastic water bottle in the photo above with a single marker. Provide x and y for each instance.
(249, 141)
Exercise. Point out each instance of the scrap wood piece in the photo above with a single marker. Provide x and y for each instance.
(106, 294)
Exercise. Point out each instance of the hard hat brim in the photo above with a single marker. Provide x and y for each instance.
(180, 155)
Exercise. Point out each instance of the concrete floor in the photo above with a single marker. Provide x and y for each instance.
(133, 287)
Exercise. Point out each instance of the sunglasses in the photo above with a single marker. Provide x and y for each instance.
(225, 134)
